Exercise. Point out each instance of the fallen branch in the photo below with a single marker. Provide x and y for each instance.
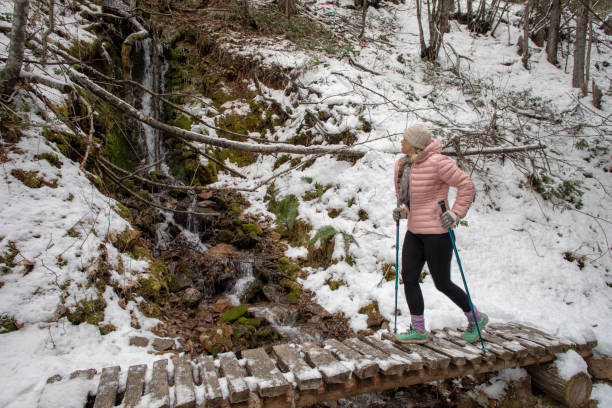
(361, 67)
(118, 103)
(63, 87)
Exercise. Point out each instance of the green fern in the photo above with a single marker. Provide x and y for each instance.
(324, 236)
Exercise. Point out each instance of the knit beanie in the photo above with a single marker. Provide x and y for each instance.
(417, 136)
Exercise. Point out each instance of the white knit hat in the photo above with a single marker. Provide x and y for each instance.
(417, 136)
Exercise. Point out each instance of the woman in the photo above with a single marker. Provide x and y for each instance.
(422, 180)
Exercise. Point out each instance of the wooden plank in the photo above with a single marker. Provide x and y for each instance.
(134, 385)
(159, 384)
(507, 333)
(230, 369)
(289, 359)
(270, 383)
(553, 344)
(387, 364)
(493, 350)
(362, 367)
(413, 360)
(431, 358)
(184, 394)
(454, 351)
(107, 388)
(333, 371)
(210, 381)
(517, 349)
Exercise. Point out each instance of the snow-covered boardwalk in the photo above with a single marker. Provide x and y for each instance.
(301, 375)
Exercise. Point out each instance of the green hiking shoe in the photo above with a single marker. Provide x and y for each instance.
(471, 333)
(412, 337)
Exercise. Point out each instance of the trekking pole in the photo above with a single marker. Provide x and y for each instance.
(452, 237)
(397, 223)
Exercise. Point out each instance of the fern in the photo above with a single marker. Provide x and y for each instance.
(286, 211)
(323, 236)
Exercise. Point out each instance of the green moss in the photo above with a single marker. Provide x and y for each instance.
(29, 178)
(294, 288)
(252, 229)
(281, 160)
(150, 287)
(140, 252)
(318, 192)
(8, 259)
(68, 144)
(107, 328)
(234, 313)
(237, 157)
(234, 209)
(124, 212)
(89, 310)
(8, 324)
(388, 271)
(73, 233)
(225, 236)
(335, 284)
(149, 309)
(369, 309)
(334, 212)
(182, 122)
(52, 158)
(265, 333)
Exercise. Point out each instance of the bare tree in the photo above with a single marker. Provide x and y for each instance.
(49, 30)
(10, 74)
(437, 14)
(524, 40)
(287, 7)
(580, 44)
(552, 43)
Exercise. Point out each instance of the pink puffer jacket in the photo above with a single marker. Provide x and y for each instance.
(430, 177)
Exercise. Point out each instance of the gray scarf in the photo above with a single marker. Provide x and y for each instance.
(403, 197)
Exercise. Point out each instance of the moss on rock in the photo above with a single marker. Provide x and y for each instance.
(88, 310)
(234, 313)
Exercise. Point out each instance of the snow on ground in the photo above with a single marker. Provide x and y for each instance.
(511, 249)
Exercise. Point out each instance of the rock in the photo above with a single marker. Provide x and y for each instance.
(134, 320)
(163, 344)
(234, 313)
(375, 320)
(224, 250)
(222, 305)
(139, 341)
(217, 339)
(600, 367)
(183, 282)
(251, 290)
(191, 297)
(274, 293)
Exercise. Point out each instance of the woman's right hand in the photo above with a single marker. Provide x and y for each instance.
(399, 213)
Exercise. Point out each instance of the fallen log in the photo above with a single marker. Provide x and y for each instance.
(573, 392)
(600, 367)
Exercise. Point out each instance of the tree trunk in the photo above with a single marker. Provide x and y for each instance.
(48, 31)
(10, 74)
(552, 43)
(364, 12)
(585, 87)
(580, 45)
(525, 44)
(574, 392)
(287, 7)
(421, 35)
(539, 36)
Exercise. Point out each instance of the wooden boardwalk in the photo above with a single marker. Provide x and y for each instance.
(301, 375)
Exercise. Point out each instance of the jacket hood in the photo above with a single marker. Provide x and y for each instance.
(434, 146)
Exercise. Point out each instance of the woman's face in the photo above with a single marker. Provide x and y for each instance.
(407, 148)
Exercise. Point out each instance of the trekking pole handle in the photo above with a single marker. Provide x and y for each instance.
(443, 205)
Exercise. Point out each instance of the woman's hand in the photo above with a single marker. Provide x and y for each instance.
(399, 213)
(449, 219)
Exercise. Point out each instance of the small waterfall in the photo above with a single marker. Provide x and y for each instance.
(193, 224)
(150, 135)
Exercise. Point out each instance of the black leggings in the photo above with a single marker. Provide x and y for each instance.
(437, 251)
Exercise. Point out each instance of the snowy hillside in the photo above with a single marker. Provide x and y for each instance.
(545, 262)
